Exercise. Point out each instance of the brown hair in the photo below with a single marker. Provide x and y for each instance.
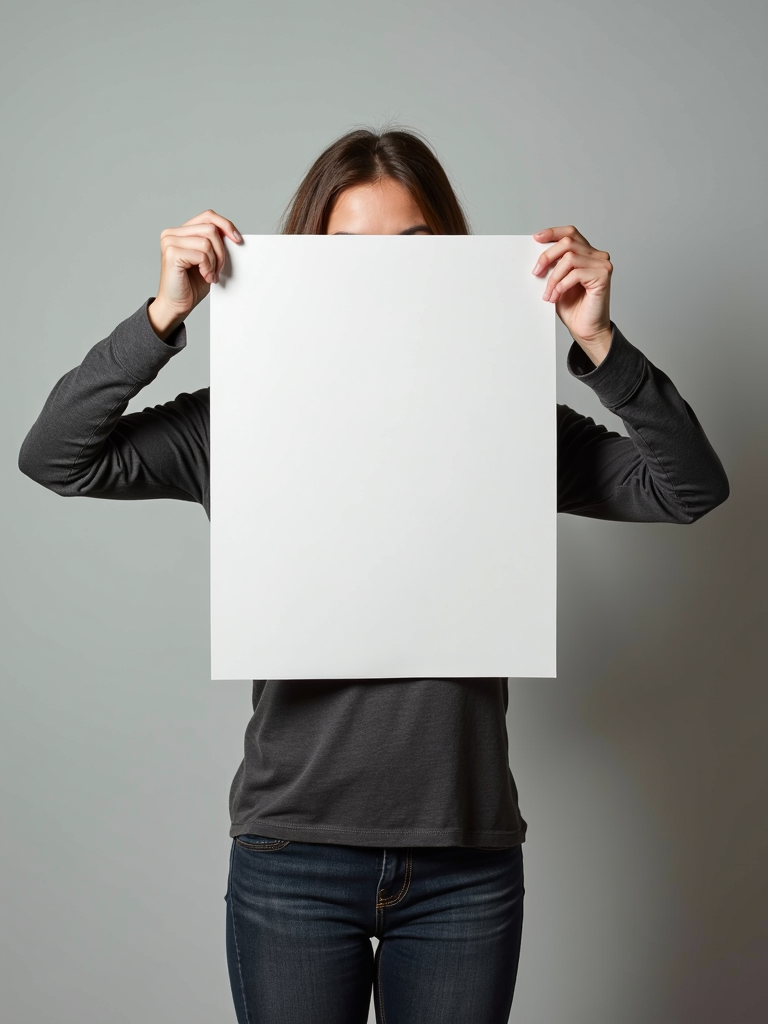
(364, 156)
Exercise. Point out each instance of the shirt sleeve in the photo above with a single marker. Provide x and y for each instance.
(665, 471)
(83, 443)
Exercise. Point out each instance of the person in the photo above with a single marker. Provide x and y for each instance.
(382, 807)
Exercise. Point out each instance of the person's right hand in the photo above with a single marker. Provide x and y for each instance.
(192, 257)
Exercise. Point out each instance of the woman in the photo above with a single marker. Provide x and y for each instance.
(378, 807)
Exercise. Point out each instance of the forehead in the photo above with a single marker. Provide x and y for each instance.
(375, 197)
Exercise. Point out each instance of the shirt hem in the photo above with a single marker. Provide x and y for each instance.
(378, 836)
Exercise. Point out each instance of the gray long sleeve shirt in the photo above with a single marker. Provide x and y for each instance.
(372, 762)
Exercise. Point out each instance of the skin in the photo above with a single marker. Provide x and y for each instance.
(385, 208)
(578, 281)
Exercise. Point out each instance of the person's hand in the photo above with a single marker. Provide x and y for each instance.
(192, 257)
(580, 285)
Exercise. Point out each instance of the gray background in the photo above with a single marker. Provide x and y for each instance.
(641, 768)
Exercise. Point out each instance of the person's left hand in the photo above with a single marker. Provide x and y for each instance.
(580, 285)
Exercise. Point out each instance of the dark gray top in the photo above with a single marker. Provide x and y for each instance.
(377, 762)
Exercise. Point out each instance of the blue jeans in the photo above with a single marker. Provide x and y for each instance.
(300, 917)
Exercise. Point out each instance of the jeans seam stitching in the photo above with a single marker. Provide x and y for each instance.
(378, 889)
(391, 900)
(237, 947)
(381, 991)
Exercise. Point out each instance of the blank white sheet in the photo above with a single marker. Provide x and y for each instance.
(383, 459)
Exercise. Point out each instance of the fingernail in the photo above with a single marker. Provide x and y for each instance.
(238, 236)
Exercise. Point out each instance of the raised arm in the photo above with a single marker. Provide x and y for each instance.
(82, 444)
(666, 471)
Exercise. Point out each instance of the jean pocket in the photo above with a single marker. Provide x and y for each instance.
(249, 841)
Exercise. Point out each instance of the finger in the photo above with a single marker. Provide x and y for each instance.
(208, 259)
(584, 275)
(196, 251)
(224, 223)
(568, 263)
(555, 234)
(557, 251)
(206, 230)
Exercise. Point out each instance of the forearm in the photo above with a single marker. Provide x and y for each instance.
(163, 322)
(64, 444)
(596, 349)
(665, 470)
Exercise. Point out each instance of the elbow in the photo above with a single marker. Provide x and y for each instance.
(36, 473)
(31, 465)
(723, 491)
(27, 464)
(718, 494)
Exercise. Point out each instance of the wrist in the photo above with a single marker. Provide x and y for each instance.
(163, 320)
(598, 346)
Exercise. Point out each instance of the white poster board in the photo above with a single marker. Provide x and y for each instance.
(383, 459)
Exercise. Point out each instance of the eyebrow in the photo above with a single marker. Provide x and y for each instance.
(408, 231)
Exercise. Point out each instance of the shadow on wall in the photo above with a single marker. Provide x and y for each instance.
(675, 697)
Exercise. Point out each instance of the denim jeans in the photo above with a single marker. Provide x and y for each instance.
(300, 917)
